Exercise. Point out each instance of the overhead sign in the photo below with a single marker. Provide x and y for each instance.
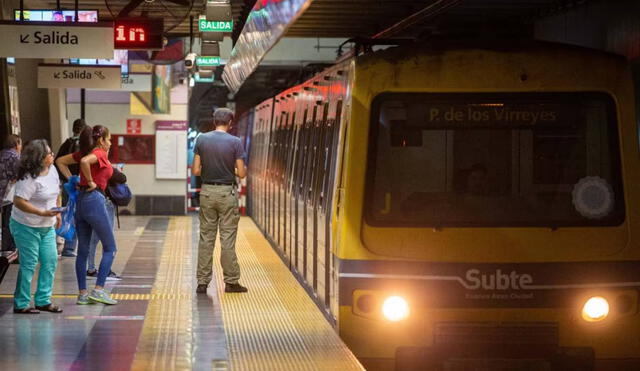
(208, 61)
(138, 33)
(134, 82)
(77, 76)
(199, 78)
(214, 26)
(56, 40)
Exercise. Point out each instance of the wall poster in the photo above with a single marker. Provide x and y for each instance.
(171, 149)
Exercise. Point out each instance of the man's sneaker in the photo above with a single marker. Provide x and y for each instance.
(201, 289)
(113, 276)
(234, 287)
(68, 254)
(92, 274)
(101, 296)
(83, 299)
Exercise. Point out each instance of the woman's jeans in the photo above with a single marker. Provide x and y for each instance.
(34, 245)
(111, 210)
(92, 216)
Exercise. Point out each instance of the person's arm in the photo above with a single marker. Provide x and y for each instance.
(85, 169)
(241, 170)
(28, 207)
(196, 168)
(63, 165)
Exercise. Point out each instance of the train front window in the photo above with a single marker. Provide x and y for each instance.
(516, 159)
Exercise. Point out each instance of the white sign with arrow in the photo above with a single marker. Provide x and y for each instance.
(56, 40)
(77, 76)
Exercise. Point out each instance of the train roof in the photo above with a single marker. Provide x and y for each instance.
(439, 47)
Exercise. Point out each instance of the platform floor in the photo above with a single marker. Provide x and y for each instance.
(161, 324)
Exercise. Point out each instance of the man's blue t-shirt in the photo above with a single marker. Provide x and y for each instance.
(218, 153)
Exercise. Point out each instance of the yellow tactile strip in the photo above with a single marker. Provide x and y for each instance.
(161, 296)
(275, 326)
(166, 339)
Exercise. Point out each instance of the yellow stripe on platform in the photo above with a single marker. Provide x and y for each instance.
(275, 326)
(157, 296)
(166, 339)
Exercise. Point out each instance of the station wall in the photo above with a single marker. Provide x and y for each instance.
(112, 109)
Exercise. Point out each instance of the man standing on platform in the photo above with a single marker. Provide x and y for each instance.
(219, 157)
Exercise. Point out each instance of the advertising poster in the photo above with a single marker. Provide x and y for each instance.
(161, 89)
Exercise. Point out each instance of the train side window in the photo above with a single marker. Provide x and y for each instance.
(302, 154)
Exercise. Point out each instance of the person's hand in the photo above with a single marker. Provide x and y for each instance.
(58, 220)
(48, 213)
(92, 185)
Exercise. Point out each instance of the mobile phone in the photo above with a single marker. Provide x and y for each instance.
(58, 209)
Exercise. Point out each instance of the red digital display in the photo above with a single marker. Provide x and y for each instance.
(138, 33)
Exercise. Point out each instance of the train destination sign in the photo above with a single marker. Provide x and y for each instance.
(495, 115)
(214, 26)
(56, 40)
(79, 76)
(208, 61)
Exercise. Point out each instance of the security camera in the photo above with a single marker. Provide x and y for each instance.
(190, 60)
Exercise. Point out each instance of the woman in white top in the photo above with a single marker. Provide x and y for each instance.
(32, 222)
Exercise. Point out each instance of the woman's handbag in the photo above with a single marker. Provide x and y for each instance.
(67, 229)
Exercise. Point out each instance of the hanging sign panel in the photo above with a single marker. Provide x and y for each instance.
(214, 26)
(78, 76)
(134, 82)
(208, 61)
(56, 40)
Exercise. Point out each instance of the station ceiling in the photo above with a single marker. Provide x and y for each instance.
(340, 18)
(367, 18)
(174, 12)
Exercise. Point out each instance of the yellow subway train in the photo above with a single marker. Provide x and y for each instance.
(461, 206)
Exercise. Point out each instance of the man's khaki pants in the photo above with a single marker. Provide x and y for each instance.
(218, 208)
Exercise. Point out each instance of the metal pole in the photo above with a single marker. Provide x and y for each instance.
(58, 5)
(82, 102)
(77, 18)
(21, 10)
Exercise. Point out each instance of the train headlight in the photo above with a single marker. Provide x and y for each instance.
(395, 308)
(595, 309)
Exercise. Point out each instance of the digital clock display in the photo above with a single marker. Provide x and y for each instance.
(138, 33)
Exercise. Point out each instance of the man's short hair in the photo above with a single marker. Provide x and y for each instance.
(78, 125)
(222, 116)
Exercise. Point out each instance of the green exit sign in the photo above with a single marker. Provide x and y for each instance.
(208, 61)
(215, 26)
(203, 79)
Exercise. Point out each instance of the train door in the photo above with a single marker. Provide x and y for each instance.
(310, 212)
(331, 148)
(288, 210)
(282, 151)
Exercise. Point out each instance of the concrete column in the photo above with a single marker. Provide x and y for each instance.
(60, 126)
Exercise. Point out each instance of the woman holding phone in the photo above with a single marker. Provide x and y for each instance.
(32, 221)
(91, 210)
